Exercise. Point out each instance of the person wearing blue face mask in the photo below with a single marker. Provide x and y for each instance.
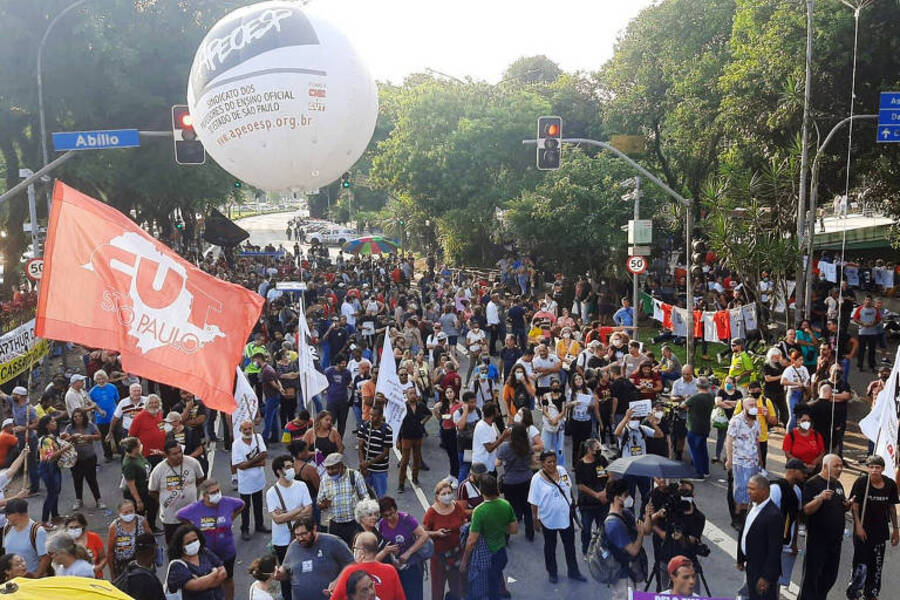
(338, 495)
(727, 399)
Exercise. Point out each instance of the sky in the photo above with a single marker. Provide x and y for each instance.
(478, 39)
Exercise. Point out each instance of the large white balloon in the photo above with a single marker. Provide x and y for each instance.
(280, 99)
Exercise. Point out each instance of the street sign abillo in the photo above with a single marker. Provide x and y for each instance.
(96, 140)
(889, 118)
(636, 265)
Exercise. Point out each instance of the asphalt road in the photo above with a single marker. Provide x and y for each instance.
(526, 577)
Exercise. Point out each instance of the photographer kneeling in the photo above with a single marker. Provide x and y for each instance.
(678, 529)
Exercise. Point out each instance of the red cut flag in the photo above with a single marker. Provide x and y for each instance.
(109, 284)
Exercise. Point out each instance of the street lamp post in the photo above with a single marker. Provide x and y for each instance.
(687, 204)
(40, 82)
(804, 153)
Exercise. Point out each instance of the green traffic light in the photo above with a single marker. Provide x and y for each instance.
(238, 185)
(345, 184)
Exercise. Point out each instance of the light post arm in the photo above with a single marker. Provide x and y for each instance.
(813, 203)
(40, 79)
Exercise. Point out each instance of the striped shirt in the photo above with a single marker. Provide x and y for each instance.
(374, 442)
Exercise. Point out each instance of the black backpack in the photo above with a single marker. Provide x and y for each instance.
(133, 579)
(464, 437)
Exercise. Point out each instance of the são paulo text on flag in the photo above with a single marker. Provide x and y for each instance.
(108, 284)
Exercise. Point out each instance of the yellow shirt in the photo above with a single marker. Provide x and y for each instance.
(763, 423)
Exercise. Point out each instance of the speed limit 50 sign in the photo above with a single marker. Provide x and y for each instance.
(34, 268)
(636, 265)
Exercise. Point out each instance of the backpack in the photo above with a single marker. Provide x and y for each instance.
(602, 564)
(464, 437)
(123, 581)
(32, 535)
(370, 492)
(605, 566)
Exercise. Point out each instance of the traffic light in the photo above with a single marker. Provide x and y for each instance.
(549, 143)
(345, 181)
(188, 149)
(698, 257)
(237, 185)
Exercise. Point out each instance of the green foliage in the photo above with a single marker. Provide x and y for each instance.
(107, 65)
(661, 83)
(532, 69)
(584, 200)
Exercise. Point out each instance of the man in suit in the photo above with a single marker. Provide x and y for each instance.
(759, 549)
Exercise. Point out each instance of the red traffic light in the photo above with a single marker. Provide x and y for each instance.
(552, 130)
(186, 120)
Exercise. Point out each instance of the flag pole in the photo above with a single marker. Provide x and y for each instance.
(862, 514)
(27, 448)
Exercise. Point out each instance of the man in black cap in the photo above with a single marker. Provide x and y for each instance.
(139, 579)
(874, 510)
(787, 493)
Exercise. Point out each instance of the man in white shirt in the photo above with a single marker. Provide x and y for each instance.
(287, 501)
(173, 484)
(546, 366)
(685, 386)
(485, 439)
(248, 456)
(492, 315)
(349, 311)
(77, 396)
(127, 409)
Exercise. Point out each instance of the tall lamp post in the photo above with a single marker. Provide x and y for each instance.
(40, 81)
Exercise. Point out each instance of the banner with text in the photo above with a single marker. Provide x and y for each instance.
(20, 348)
(636, 595)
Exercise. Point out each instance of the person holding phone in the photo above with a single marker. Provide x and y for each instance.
(442, 522)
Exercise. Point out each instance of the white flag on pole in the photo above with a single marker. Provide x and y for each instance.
(247, 404)
(880, 425)
(389, 384)
(313, 381)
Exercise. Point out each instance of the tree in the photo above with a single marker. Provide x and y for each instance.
(456, 154)
(750, 220)
(661, 83)
(572, 220)
(106, 66)
(532, 69)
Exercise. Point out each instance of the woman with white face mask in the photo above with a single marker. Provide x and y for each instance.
(193, 569)
(213, 514)
(442, 522)
(76, 528)
(121, 537)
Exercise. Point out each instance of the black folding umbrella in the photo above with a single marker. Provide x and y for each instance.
(651, 465)
(222, 231)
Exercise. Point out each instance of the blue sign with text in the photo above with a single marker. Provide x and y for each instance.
(96, 140)
(889, 118)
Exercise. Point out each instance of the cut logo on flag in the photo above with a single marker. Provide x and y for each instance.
(109, 284)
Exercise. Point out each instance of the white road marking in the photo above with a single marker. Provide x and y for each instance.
(419, 493)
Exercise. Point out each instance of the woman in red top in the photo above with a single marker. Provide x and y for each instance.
(77, 528)
(147, 426)
(443, 413)
(804, 442)
(647, 381)
(442, 522)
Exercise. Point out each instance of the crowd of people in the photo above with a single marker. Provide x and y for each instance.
(504, 369)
